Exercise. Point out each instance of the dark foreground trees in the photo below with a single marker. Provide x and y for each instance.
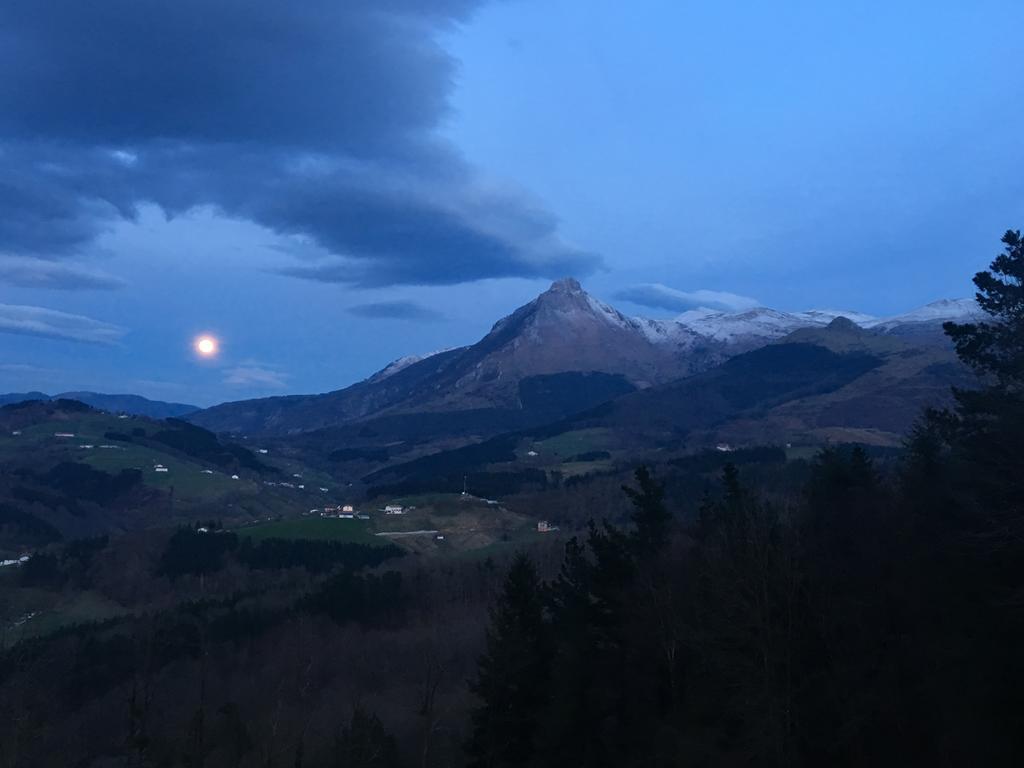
(512, 677)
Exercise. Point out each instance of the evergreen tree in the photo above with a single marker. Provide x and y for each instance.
(996, 347)
(650, 516)
(985, 429)
(743, 624)
(512, 674)
(364, 743)
(984, 458)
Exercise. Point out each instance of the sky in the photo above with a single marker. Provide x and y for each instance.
(327, 186)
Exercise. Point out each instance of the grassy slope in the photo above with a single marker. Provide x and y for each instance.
(196, 492)
(314, 528)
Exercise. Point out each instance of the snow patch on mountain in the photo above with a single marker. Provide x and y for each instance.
(404, 362)
(607, 313)
(936, 312)
(731, 328)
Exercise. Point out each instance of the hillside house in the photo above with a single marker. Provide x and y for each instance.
(543, 526)
(394, 509)
(347, 508)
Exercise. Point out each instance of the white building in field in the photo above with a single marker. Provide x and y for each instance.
(394, 509)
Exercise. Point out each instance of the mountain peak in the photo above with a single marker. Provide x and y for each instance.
(842, 323)
(566, 285)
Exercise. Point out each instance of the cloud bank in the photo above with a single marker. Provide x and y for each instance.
(317, 120)
(658, 296)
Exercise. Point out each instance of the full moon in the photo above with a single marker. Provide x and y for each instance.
(206, 346)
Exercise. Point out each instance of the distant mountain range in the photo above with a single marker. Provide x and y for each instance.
(840, 383)
(560, 354)
(133, 404)
(568, 385)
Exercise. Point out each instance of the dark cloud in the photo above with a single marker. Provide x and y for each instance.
(360, 75)
(316, 119)
(396, 310)
(658, 296)
(40, 273)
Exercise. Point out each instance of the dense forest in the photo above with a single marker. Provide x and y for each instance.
(854, 609)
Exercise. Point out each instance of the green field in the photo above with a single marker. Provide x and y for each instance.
(51, 611)
(573, 443)
(440, 504)
(194, 482)
(314, 528)
(805, 452)
(185, 476)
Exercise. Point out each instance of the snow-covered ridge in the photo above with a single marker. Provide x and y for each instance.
(402, 363)
(936, 312)
(765, 324)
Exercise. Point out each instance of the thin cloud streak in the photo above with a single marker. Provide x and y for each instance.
(396, 310)
(53, 324)
(255, 377)
(658, 296)
(25, 272)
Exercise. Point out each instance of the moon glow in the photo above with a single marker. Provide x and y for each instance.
(206, 346)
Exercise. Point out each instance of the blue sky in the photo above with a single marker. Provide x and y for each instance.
(329, 188)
